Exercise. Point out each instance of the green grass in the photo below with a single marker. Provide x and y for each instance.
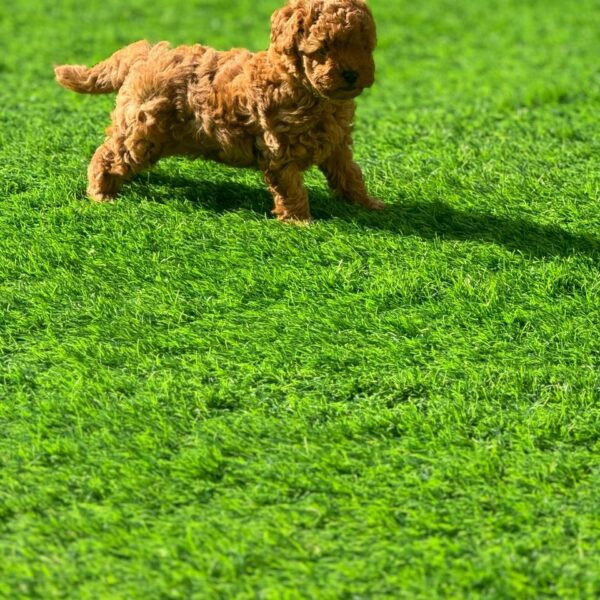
(200, 402)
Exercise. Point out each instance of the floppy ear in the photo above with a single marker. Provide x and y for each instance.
(287, 26)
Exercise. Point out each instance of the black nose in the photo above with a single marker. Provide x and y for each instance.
(350, 76)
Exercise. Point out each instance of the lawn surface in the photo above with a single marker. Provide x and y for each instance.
(197, 401)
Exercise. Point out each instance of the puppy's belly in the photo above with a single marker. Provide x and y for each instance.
(236, 149)
(235, 152)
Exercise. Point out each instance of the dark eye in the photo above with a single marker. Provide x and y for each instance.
(323, 51)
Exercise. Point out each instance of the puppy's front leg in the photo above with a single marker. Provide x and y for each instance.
(346, 179)
(291, 197)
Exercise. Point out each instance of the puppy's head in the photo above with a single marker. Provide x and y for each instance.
(330, 44)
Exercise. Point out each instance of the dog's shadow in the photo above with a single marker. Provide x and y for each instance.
(425, 219)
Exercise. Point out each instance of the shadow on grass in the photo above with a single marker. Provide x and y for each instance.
(427, 219)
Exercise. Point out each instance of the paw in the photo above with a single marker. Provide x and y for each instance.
(299, 217)
(300, 221)
(97, 196)
(374, 204)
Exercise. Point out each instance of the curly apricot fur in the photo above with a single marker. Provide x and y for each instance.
(281, 110)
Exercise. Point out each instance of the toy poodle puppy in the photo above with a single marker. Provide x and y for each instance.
(281, 110)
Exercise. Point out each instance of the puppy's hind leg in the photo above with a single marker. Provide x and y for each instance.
(117, 159)
(107, 171)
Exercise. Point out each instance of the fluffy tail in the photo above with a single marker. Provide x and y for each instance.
(107, 76)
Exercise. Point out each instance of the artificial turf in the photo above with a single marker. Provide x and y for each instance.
(200, 402)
